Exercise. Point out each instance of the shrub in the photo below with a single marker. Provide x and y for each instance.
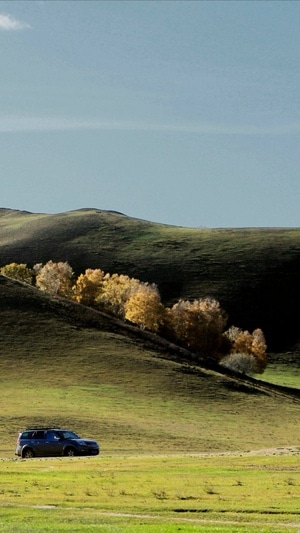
(18, 271)
(240, 362)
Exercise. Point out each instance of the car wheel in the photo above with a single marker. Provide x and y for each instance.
(28, 453)
(70, 452)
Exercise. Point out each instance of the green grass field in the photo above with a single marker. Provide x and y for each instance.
(283, 369)
(136, 494)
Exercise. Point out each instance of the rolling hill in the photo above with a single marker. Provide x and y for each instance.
(253, 272)
(63, 364)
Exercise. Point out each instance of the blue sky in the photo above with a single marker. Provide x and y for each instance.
(179, 112)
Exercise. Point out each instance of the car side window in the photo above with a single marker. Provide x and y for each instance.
(38, 435)
(52, 435)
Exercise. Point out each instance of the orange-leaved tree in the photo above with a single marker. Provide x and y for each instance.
(198, 325)
(252, 344)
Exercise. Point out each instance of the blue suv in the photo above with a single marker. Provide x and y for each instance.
(51, 442)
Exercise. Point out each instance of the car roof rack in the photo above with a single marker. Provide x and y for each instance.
(41, 428)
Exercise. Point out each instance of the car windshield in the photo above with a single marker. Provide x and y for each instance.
(69, 435)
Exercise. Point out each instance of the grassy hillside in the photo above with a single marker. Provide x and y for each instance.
(254, 273)
(62, 366)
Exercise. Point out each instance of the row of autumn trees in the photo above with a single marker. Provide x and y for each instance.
(199, 325)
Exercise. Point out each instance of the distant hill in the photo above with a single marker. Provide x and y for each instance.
(253, 272)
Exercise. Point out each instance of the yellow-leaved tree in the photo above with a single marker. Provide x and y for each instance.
(115, 291)
(88, 286)
(55, 278)
(19, 271)
(198, 325)
(145, 308)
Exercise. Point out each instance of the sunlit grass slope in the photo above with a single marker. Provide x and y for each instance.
(253, 272)
(64, 366)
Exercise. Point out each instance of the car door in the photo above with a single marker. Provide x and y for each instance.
(37, 442)
(53, 443)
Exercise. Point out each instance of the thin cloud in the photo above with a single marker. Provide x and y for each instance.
(7, 22)
(15, 124)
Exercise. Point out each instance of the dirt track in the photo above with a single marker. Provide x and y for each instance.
(286, 450)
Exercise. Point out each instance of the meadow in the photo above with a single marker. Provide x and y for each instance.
(236, 493)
